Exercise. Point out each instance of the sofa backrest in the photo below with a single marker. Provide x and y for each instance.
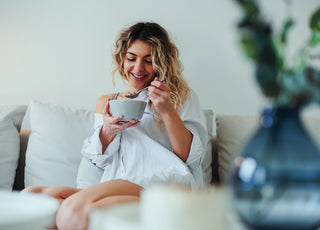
(11, 117)
(50, 154)
(233, 131)
(24, 138)
(19, 178)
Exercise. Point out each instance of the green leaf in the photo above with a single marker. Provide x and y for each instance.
(249, 47)
(287, 25)
(314, 22)
(279, 50)
(250, 8)
(266, 76)
(315, 38)
(300, 65)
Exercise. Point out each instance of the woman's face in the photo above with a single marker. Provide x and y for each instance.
(138, 65)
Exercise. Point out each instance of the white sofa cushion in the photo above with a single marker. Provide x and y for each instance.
(10, 122)
(53, 152)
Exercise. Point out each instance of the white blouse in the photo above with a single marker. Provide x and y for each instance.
(143, 154)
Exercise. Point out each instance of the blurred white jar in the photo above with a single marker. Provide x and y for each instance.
(175, 208)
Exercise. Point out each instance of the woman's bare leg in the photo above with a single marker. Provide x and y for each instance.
(74, 211)
(111, 201)
(58, 192)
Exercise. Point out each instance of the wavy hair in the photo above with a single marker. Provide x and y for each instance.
(165, 58)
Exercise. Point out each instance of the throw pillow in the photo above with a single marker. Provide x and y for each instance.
(233, 131)
(53, 152)
(11, 117)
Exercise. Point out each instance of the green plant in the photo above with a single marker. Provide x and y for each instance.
(297, 84)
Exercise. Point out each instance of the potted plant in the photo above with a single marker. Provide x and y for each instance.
(297, 84)
(275, 179)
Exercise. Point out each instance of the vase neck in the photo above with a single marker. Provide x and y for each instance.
(277, 114)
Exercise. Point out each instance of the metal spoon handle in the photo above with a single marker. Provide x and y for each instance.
(134, 95)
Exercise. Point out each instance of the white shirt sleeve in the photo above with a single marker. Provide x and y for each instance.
(194, 120)
(92, 147)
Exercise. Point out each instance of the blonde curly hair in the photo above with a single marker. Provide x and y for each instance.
(164, 53)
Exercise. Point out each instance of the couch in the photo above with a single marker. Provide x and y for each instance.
(49, 152)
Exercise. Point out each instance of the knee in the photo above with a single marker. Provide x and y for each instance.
(34, 189)
(111, 201)
(50, 191)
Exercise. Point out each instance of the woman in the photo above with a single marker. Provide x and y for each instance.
(166, 145)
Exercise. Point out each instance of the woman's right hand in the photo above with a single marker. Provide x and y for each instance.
(111, 126)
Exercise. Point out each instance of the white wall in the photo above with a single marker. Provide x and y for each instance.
(59, 51)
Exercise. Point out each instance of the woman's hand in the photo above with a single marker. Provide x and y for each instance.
(159, 94)
(180, 137)
(111, 126)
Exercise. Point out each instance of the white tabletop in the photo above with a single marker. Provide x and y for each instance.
(20, 210)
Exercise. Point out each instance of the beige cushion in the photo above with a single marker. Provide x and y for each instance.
(233, 131)
(207, 161)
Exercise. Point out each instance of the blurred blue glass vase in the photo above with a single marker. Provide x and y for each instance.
(276, 178)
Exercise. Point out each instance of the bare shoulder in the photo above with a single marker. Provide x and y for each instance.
(101, 102)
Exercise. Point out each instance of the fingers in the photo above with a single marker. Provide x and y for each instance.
(158, 88)
(157, 84)
(159, 94)
(107, 112)
(115, 120)
(123, 125)
(128, 124)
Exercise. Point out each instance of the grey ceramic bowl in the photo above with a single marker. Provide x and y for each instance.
(130, 109)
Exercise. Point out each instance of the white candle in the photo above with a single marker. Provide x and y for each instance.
(175, 208)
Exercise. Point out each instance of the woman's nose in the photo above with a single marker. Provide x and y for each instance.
(139, 66)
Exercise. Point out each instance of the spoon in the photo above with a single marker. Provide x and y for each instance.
(134, 95)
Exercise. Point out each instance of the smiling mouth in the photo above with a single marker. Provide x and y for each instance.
(139, 77)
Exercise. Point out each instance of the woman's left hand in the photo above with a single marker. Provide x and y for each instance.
(159, 94)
